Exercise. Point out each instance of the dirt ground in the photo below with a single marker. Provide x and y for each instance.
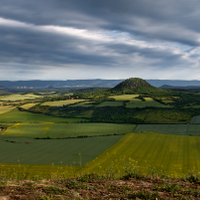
(76, 188)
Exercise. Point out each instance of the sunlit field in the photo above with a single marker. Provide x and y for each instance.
(4, 109)
(18, 97)
(28, 105)
(63, 102)
(65, 130)
(22, 116)
(175, 154)
(125, 97)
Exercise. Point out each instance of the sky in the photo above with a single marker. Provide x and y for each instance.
(107, 39)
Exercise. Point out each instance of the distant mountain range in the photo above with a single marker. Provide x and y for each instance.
(39, 84)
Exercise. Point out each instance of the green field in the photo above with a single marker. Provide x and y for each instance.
(110, 104)
(59, 152)
(171, 153)
(151, 152)
(83, 104)
(19, 97)
(4, 109)
(19, 171)
(149, 102)
(28, 105)
(124, 97)
(178, 129)
(63, 130)
(63, 102)
(22, 116)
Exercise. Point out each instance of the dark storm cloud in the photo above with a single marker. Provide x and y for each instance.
(159, 20)
(29, 46)
(101, 34)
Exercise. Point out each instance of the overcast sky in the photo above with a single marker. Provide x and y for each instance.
(108, 39)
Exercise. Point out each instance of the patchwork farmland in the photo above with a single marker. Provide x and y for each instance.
(101, 132)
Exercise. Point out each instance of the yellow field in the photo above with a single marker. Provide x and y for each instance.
(166, 100)
(149, 152)
(4, 109)
(18, 97)
(18, 171)
(63, 102)
(175, 154)
(28, 129)
(148, 99)
(124, 97)
(28, 105)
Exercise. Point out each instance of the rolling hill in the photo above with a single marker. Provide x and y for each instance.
(138, 86)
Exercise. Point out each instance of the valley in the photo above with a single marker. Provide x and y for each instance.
(90, 130)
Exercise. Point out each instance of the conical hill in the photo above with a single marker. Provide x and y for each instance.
(135, 85)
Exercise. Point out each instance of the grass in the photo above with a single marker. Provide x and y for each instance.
(28, 105)
(149, 102)
(184, 129)
(124, 97)
(164, 152)
(22, 116)
(175, 154)
(21, 171)
(110, 104)
(83, 104)
(4, 109)
(94, 186)
(163, 116)
(19, 97)
(63, 102)
(59, 152)
(64, 130)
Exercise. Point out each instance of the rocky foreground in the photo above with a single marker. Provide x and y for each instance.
(94, 187)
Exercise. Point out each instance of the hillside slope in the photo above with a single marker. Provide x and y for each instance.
(138, 86)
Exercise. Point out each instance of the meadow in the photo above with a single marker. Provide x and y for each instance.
(62, 102)
(83, 104)
(147, 152)
(177, 129)
(106, 148)
(31, 151)
(124, 97)
(110, 103)
(162, 144)
(132, 101)
(149, 102)
(19, 97)
(28, 105)
(173, 154)
(4, 109)
(65, 130)
(22, 116)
